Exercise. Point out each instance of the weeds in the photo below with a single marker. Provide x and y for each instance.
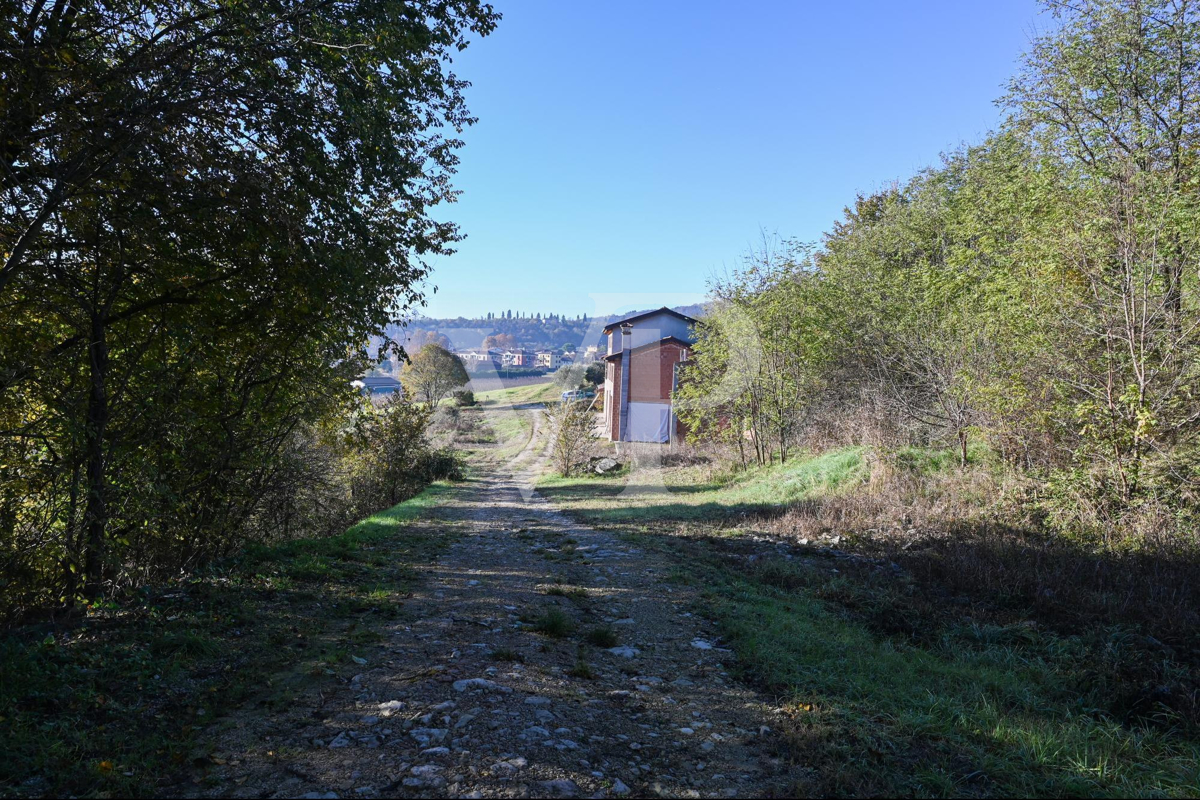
(604, 637)
(581, 669)
(554, 623)
(571, 592)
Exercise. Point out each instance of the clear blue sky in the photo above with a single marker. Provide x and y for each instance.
(641, 146)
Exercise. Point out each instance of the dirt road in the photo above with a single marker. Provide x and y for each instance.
(540, 658)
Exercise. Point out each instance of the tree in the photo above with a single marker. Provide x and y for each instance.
(392, 439)
(571, 425)
(1115, 91)
(570, 376)
(499, 341)
(420, 337)
(189, 284)
(432, 374)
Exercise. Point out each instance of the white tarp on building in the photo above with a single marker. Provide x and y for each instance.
(649, 422)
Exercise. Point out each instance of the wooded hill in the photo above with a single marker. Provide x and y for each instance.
(550, 331)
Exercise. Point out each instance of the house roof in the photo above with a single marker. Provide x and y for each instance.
(648, 345)
(378, 382)
(646, 315)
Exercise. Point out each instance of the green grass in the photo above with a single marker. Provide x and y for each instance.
(889, 688)
(529, 393)
(693, 495)
(121, 700)
(554, 623)
(604, 636)
(927, 461)
(512, 430)
(581, 669)
(506, 654)
(998, 712)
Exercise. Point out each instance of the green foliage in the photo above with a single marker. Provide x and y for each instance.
(1032, 293)
(570, 376)
(188, 288)
(605, 636)
(432, 374)
(555, 623)
(389, 456)
(114, 701)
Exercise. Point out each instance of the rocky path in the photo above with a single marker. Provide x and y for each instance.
(497, 683)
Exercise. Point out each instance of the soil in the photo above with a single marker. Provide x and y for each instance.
(466, 697)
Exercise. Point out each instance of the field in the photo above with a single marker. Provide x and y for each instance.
(499, 425)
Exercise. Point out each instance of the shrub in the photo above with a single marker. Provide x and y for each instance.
(571, 428)
(554, 623)
(604, 636)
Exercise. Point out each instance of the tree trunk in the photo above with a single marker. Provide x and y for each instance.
(95, 516)
(74, 540)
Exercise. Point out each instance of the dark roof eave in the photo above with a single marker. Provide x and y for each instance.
(672, 339)
(647, 314)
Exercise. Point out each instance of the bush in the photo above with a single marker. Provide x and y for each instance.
(595, 373)
(464, 398)
(442, 464)
(554, 623)
(571, 428)
(569, 376)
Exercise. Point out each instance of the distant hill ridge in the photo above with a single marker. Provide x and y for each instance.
(548, 331)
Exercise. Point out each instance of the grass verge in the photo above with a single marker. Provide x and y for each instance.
(118, 704)
(905, 682)
(697, 494)
(881, 701)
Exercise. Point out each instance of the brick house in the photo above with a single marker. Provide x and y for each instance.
(644, 352)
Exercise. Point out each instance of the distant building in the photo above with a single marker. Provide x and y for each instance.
(549, 359)
(475, 359)
(644, 354)
(519, 358)
(377, 386)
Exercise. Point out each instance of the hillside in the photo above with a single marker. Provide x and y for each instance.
(548, 331)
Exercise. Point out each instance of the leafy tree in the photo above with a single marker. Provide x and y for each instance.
(1114, 92)
(499, 341)
(187, 286)
(433, 374)
(594, 373)
(570, 376)
(420, 337)
(571, 425)
(394, 460)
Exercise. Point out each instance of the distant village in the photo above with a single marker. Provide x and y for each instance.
(511, 343)
(641, 356)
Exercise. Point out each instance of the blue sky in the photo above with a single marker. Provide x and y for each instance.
(626, 151)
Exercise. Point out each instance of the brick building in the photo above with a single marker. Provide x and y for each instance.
(644, 352)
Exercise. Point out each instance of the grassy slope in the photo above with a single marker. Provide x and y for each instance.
(530, 393)
(511, 429)
(890, 693)
(695, 495)
(119, 701)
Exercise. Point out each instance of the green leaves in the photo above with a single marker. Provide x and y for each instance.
(254, 200)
